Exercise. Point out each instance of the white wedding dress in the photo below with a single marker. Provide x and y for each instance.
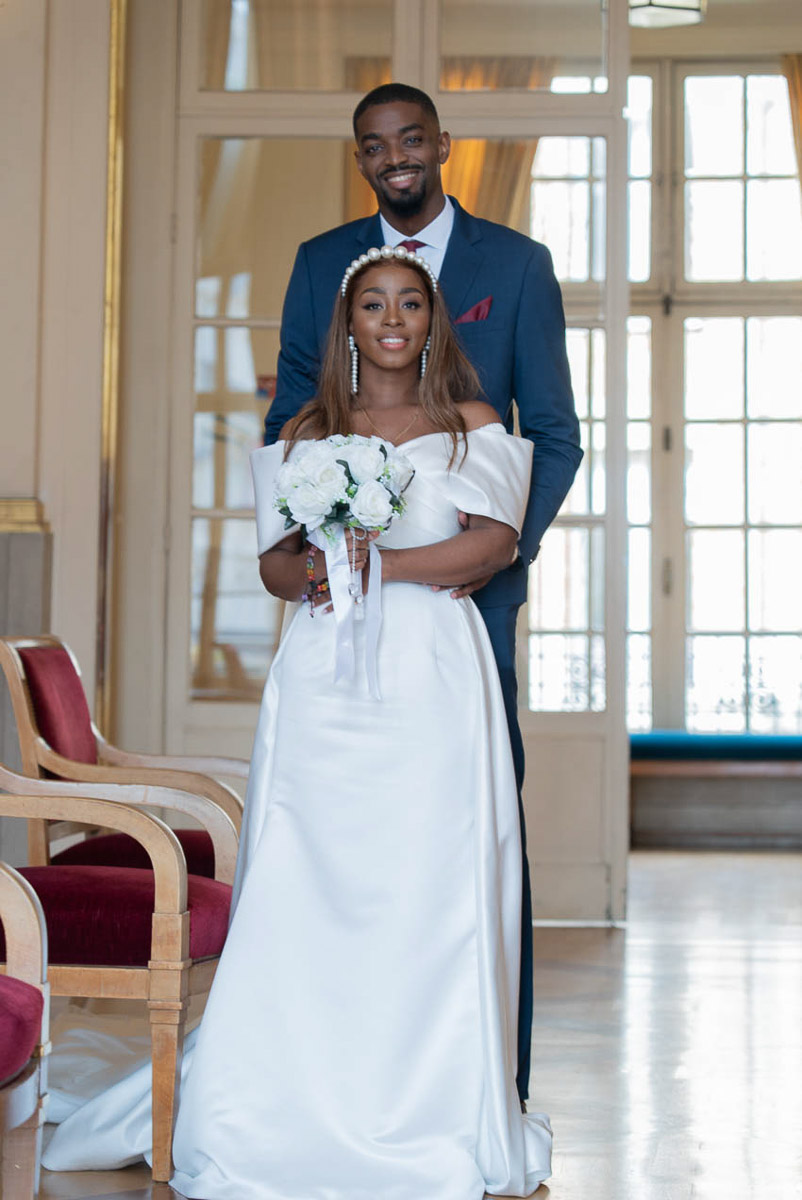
(359, 1042)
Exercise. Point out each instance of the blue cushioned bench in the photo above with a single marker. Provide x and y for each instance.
(666, 752)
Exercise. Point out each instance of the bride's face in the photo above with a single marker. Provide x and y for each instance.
(391, 316)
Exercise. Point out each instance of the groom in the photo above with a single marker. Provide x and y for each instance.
(500, 290)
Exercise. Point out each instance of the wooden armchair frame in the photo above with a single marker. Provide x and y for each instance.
(23, 1100)
(190, 774)
(171, 977)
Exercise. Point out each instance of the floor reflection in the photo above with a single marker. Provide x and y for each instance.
(669, 1056)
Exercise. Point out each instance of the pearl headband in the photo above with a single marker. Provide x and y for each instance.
(376, 255)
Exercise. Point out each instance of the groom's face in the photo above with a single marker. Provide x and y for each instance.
(400, 150)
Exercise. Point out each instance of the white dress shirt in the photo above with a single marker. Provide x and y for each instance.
(434, 236)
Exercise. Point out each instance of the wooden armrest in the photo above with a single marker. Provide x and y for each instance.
(210, 816)
(25, 931)
(44, 800)
(24, 926)
(185, 781)
(201, 764)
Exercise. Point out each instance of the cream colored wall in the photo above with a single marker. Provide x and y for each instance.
(22, 105)
(53, 97)
(73, 261)
(53, 101)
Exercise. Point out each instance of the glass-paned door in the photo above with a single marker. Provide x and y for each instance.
(522, 46)
(297, 46)
(722, 432)
(743, 523)
(742, 444)
(249, 226)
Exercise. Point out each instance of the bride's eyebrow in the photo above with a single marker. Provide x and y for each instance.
(383, 291)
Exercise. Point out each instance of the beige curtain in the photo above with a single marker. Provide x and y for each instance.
(792, 69)
(492, 178)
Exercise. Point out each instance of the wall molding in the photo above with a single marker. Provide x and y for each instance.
(22, 515)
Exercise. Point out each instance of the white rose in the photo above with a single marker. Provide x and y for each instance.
(365, 462)
(288, 477)
(371, 505)
(315, 458)
(332, 481)
(398, 473)
(347, 439)
(309, 505)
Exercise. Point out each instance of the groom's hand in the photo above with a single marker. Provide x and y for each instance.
(467, 589)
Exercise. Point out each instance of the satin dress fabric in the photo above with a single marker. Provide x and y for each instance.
(360, 1036)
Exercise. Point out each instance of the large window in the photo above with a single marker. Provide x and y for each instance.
(714, 428)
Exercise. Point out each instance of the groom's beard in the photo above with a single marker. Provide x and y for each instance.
(408, 203)
(405, 205)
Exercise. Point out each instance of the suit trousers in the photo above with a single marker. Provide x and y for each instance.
(501, 622)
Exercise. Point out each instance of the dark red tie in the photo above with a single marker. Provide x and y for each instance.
(411, 244)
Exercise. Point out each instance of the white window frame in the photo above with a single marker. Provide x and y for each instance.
(669, 300)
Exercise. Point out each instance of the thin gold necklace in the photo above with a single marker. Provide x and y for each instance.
(373, 425)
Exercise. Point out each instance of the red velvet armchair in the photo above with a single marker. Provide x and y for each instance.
(59, 740)
(127, 933)
(24, 1026)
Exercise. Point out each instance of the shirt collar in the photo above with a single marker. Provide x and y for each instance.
(435, 234)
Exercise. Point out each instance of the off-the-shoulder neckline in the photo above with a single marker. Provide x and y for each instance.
(443, 433)
(438, 433)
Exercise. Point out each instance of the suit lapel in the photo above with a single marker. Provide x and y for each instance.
(370, 233)
(462, 259)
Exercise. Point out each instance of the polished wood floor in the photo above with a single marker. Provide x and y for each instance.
(669, 1055)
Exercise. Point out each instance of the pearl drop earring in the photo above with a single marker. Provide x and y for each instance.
(424, 356)
(354, 364)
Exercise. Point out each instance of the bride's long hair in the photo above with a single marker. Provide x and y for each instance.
(449, 377)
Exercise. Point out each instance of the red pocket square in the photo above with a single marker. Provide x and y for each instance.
(479, 312)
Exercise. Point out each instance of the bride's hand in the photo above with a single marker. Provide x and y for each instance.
(358, 542)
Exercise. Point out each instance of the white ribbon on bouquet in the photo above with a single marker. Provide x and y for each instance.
(350, 608)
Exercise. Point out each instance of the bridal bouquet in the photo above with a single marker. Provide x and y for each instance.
(342, 482)
(346, 482)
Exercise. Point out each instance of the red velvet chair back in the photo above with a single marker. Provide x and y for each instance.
(59, 703)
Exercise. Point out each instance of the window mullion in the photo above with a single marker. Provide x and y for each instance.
(668, 562)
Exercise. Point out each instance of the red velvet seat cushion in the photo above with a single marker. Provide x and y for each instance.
(59, 702)
(21, 1007)
(120, 850)
(101, 916)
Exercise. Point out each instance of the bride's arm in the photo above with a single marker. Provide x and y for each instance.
(283, 568)
(485, 547)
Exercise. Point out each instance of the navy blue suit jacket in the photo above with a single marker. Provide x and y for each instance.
(518, 350)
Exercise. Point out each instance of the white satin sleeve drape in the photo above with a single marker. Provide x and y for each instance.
(270, 524)
(492, 479)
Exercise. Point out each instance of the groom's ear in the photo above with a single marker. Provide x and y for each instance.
(443, 147)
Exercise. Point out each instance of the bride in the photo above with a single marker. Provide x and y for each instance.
(359, 1041)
